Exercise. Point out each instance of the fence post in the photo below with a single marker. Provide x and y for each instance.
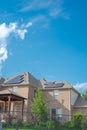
(0, 122)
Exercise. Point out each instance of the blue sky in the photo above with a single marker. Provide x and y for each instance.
(48, 38)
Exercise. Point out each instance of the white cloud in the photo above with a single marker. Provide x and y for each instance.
(21, 33)
(3, 54)
(53, 8)
(35, 5)
(26, 25)
(5, 31)
(81, 86)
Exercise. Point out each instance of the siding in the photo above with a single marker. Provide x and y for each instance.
(74, 97)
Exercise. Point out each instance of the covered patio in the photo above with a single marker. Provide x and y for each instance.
(7, 101)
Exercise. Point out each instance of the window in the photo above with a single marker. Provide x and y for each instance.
(55, 94)
(59, 112)
(15, 89)
(56, 114)
(53, 113)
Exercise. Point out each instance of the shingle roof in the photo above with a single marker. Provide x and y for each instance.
(80, 102)
(24, 78)
(33, 80)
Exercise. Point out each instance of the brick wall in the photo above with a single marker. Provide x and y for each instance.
(63, 101)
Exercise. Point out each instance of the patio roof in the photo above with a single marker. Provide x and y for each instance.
(4, 94)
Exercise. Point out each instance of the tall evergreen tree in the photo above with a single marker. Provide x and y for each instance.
(39, 107)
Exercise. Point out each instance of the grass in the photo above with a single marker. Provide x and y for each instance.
(24, 129)
(27, 129)
(21, 129)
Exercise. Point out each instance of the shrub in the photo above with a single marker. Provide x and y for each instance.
(51, 124)
(77, 120)
(27, 124)
(6, 125)
(68, 125)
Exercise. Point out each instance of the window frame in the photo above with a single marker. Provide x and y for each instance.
(56, 94)
(15, 89)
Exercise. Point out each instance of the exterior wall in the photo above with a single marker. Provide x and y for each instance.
(82, 110)
(66, 99)
(73, 97)
(62, 102)
(23, 91)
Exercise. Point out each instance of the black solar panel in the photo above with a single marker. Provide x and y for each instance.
(16, 80)
(52, 85)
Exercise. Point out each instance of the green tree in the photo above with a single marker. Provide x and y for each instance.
(84, 94)
(39, 108)
(78, 119)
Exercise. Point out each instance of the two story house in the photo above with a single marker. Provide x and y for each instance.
(17, 93)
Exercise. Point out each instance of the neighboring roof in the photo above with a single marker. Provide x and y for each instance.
(4, 94)
(80, 102)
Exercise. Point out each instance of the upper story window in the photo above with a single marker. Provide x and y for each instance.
(55, 94)
(15, 89)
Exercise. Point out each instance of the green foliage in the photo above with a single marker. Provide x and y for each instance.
(39, 107)
(17, 125)
(84, 94)
(27, 124)
(51, 124)
(77, 117)
(68, 125)
(77, 120)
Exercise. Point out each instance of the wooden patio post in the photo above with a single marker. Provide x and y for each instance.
(22, 109)
(5, 106)
(9, 106)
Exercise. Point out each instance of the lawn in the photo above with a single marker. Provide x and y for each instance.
(26, 129)
(22, 129)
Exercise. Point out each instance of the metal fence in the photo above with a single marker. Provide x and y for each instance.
(27, 116)
(16, 118)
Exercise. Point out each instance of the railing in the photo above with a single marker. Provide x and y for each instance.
(15, 120)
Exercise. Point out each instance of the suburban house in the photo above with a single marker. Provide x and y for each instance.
(17, 93)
